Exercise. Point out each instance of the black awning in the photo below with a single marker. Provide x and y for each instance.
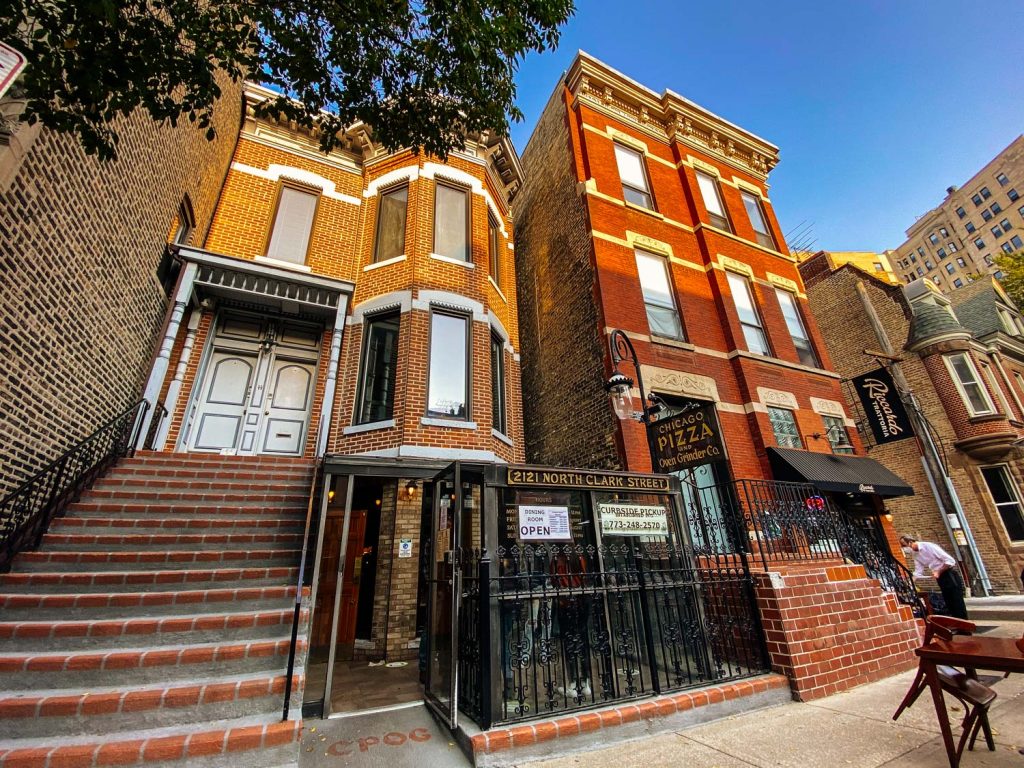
(839, 473)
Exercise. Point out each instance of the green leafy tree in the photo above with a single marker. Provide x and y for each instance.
(422, 73)
(1012, 266)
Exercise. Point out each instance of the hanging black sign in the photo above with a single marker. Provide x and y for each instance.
(883, 407)
(686, 440)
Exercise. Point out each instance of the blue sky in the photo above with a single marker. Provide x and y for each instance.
(876, 106)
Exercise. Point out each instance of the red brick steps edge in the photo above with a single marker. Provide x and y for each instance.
(176, 747)
(107, 660)
(142, 599)
(506, 737)
(141, 578)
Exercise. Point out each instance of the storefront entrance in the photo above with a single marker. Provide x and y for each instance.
(256, 391)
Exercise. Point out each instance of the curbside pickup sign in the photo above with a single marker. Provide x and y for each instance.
(12, 62)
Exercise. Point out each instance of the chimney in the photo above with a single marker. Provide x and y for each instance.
(950, 190)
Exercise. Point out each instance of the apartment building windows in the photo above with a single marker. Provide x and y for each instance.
(1013, 195)
(1005, 224)
(979, 243)
(783, 422)
(499, 416)
(1007, 248)
(969, 385)
(976, 199)
(941, 253)
(986, 214)
(757, 219)
(928, 265)
(797, 330)
(970, 227)
(636, 188)
(1001, 178)
(1021, 211)
(391, 214)
(950, 269)
(494, 248)
(376, 398)
(448, 382)
(951, 246)
(1017, 242)
(1006, 498)
(985, 194)
(996, 231)
(961, 212)
(920, 271)
(659, 301)
(958, 283)
(961, 263)
(996, 208)
(835, 431)
(452, 222)
(293, 224)
(750, 320)
(713, 201)
(943, 231)
(933, 239)
(920, 252)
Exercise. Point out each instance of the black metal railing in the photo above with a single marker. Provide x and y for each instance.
(305, 577)
(794, 522)
(159, 414)
(26, 512)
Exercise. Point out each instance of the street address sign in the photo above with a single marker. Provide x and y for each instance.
(12, 62)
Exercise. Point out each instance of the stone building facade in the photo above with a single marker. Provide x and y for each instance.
(83, 273)
(962, 358)
(977, 221)
(360, 307)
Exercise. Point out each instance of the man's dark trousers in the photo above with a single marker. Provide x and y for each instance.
(952, 587)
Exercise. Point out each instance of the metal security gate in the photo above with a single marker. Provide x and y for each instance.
(607, 614)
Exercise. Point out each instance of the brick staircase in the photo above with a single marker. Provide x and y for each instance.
(153, 623)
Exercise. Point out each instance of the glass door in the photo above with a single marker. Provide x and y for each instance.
(443, 587)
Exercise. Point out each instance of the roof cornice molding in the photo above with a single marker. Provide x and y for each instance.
(669, 116)
(359, 145)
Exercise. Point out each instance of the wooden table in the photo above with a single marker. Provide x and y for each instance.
(1002, 654)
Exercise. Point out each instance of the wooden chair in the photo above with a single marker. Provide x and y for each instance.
(975, 696)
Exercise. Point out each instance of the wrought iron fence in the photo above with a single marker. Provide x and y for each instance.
(26, 512)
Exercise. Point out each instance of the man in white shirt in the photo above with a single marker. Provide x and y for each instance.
(932, 560)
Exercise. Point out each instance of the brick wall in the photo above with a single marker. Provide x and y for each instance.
(831, 628)
(847, 332)
(80, 304)
(568, 420)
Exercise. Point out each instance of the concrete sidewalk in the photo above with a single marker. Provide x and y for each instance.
(852, 729)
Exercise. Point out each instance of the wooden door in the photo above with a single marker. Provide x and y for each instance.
(322, 615)
(350, 584)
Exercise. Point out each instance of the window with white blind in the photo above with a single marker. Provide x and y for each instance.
(969, 384)
(293, 224)
(662, 316)
(635, 187)
(750, 320)
(713, 201)
(784, 426)
(757, 220)
(451, 222)
(797, 330)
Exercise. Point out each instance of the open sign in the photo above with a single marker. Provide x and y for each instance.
(544, 523)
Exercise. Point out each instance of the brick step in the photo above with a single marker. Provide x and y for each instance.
(162, 459)
(154, 560)
(118, 480)
(156, 524)
(256, 493)
(197, 472)
(200, 541)
(100, 605)
(138, 666)
(258, 741)
(241, 513)
(112, 710)
(78, 634)
(107, 508)
(132, 581)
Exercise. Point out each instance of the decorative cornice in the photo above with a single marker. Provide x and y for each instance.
(670, 382)
(777, 397)
(669, 116)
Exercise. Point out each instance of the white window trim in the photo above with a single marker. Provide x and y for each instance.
(1013, 487)
(994, 386)
(947, 359)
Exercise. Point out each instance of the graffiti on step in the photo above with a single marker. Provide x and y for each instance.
(344, 747)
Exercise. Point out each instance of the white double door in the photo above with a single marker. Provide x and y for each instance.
(256, 394)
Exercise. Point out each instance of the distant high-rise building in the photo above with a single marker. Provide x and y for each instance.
(976, 222)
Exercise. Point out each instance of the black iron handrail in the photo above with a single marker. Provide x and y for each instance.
(159, 414)
(26, 512)
(305, 573)
(879, 563)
